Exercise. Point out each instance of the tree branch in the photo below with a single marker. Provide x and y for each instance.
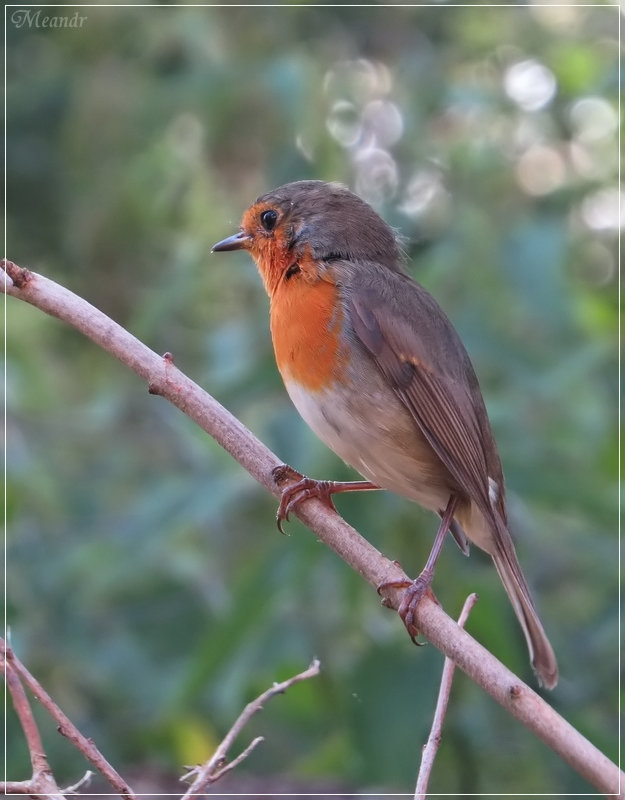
(17, 671)
(430, 749)
(216, 766)
(164, 379)
(42, 783)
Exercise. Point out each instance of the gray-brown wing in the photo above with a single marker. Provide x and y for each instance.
(439, 401)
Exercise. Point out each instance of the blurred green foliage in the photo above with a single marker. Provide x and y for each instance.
(147, 586)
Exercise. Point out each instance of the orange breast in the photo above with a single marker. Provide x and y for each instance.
(306, 320)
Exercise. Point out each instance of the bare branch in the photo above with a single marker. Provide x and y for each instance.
(165, 379)
(65, 726)
(36, 787)
(430, 748)
(216, 765)
(82, 783)
(42, 783)
(236, 761)
(26, 718)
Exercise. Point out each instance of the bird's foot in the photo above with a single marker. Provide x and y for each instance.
(295, 493)
(414, 592)
(300, 488)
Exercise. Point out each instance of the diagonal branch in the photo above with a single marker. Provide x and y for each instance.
(163, 378)
(42, 783)
(17, 672)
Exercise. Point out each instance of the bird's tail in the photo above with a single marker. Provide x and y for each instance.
(541, 653)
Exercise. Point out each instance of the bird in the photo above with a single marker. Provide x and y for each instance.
(377, 370)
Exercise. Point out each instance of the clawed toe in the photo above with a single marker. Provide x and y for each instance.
(301, 488)
(295, 494)
(414, 592)
(283, 473)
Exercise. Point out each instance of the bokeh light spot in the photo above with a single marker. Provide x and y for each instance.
(530, 84)
(541, 170)
(603, 210)
(343, 123)
(593, 119)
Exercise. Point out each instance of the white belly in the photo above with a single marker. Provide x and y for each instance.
(379, 439)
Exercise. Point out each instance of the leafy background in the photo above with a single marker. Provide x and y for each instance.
(147, 586)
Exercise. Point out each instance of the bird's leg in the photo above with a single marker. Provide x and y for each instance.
(415, 590)
(304, 488)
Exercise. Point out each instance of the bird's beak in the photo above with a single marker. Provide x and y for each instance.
(237, 241)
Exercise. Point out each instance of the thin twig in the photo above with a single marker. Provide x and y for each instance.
(217, 765)
(430, 748)
(42, 782)
(236, 761)
(25, 716)
(166, 380)
(81, 784)
(65, 726)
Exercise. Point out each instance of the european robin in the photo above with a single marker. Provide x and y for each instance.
(377, 370)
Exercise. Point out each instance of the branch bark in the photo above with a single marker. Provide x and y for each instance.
(217, 765)
(42, 783)
(17, 674)
(163, 378)
(430, 748)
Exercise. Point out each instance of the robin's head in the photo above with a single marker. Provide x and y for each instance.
(314, 221)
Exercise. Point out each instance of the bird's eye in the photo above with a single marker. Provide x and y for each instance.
(268, 219)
